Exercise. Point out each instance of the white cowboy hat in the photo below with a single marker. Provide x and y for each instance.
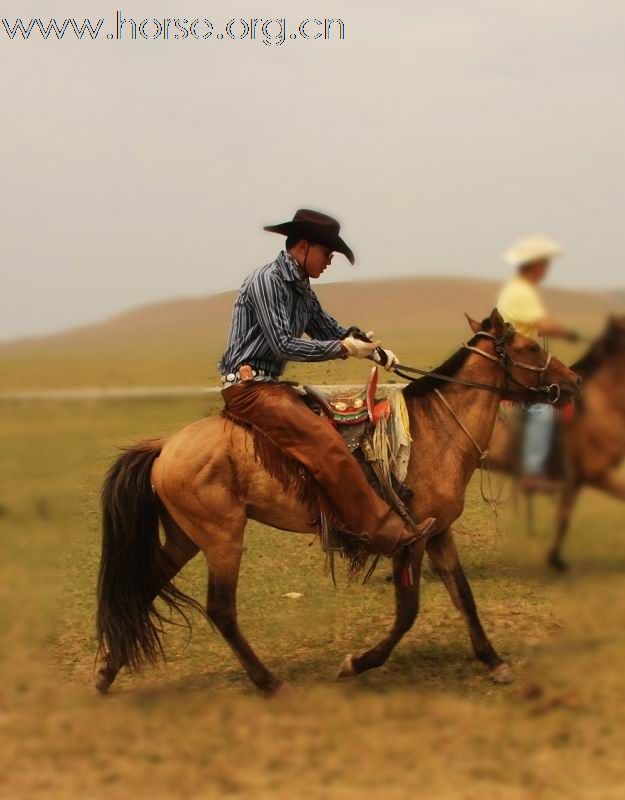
(532, 248)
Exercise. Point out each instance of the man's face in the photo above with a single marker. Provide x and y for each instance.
(537, 271)
(317, 260)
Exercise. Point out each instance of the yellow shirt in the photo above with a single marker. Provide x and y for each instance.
(519, 303)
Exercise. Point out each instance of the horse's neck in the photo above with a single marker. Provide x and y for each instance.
(610, 381)
(433, 425)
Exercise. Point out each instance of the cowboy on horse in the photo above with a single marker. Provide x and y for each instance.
(520, 304)
(166, 500)
(275, 306)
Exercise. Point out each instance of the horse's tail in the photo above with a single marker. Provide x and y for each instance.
(134, 568)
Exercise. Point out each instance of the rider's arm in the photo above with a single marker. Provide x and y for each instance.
(267, 295)
(322, 325)
(553, 329)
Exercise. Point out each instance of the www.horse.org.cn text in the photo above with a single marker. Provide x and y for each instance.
(273, 31)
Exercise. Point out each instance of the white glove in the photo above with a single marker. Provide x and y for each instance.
(357, 348)
(391, 359)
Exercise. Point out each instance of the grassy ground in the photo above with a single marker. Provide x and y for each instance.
(429, 724)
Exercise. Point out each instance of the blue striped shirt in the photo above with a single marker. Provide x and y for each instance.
(274, 308)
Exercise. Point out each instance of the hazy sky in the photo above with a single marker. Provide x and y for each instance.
(134, 171)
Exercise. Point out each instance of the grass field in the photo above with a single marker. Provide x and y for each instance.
(428, 725)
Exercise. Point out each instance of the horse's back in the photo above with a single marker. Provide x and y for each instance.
(199, 452)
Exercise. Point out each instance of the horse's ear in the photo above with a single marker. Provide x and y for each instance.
(473, 324)
(498, 321)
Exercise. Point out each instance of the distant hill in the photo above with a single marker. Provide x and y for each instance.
(617, 296)
(178, 342)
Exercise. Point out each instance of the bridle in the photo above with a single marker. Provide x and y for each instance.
(549, 392)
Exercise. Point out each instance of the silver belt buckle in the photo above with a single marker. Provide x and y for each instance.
(235, 377)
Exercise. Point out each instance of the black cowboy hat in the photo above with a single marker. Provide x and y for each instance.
(314, 227)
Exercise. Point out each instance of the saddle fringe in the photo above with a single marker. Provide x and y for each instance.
(297, 481)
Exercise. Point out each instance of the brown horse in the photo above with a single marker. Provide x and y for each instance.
(204, 483)
(593, 444)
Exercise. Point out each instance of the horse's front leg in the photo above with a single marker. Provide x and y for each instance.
(565, 510)
(406, 610)
(443, 554)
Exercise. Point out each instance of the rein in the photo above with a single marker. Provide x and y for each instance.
(492, 499)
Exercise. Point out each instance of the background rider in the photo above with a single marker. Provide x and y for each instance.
(520, 304)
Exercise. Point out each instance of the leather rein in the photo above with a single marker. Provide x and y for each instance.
(551, 391)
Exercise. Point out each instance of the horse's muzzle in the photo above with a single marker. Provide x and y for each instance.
(563, 393)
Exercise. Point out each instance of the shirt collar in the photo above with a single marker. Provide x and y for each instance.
(290, 270)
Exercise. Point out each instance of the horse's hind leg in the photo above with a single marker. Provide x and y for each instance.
(406, 610)
(221, 541)
(180, 550)
(442, 551)
(223, 576)
(565, 510)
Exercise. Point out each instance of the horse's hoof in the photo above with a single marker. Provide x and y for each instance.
(275, 689)
(103, 684)
(347, 668)
(558, 564)
(105, 679)
(280, 692)
(502, 674)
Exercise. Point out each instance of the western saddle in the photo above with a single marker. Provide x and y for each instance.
(356, 417)
(352, 409)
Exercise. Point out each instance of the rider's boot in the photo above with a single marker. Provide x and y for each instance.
(394, 534)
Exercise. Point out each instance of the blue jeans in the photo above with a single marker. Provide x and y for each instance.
(538, 435)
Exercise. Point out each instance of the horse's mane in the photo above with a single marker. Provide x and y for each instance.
(588, 364)
(610, 342)
(427, 384)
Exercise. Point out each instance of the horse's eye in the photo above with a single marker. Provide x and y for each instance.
(535, 348)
